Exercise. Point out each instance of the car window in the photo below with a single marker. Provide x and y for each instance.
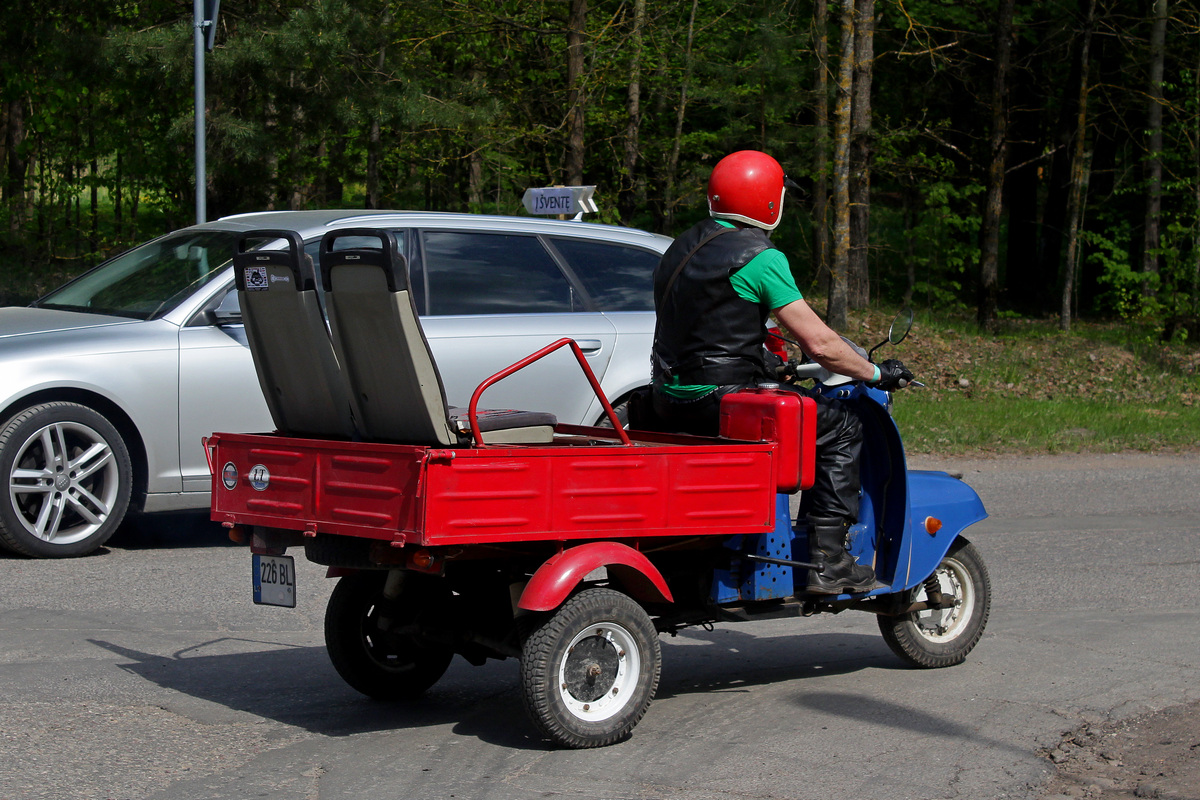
(618, 278)
(150, 280)
(313, 249)
(492, 273)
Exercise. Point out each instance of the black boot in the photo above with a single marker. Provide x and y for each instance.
(840, 573)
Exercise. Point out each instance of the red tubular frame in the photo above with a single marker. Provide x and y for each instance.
(472, 411)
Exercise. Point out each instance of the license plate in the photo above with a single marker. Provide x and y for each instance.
(274, 580)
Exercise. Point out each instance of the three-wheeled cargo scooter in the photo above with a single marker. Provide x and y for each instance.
(503, 533)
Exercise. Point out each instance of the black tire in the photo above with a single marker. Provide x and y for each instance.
(396, 663)
(943, 638)
(590, 669)
(621, 410)
(68, 476)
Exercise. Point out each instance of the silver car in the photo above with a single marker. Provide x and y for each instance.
(110, 382)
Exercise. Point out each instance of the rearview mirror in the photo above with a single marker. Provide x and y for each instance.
(901, 325)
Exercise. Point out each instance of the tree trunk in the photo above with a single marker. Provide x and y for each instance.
(475, 156)
(576, 35)
(1053, 223)
(15, 168)
(1079, 175)
(909, 199)
(627, 198)
(375, 134)
(861, 147)
(677, 139)
(1081, 171)
(94, 188)
(820, 210)
(1196, 189)
(116, 197)
(374, 148)
(1022, 183)
(1154, 146)
(836, 313)
(989, 258)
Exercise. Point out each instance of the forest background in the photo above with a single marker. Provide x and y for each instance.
(991, 159)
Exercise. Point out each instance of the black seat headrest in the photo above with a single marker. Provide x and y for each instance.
(292, 257)
(386, 256)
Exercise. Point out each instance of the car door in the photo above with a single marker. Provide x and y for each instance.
(218, 391)
(490, 298)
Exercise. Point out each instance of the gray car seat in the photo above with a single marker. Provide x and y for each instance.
(396, 391)
(289, 341)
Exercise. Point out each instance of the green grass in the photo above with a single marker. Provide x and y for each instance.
(959, 425)
(1104, 387)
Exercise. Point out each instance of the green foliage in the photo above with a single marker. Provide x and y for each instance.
(458, 105)
(1124, 288)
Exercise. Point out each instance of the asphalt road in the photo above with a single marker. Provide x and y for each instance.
(146, 672)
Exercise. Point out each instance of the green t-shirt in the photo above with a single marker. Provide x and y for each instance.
(765, 280)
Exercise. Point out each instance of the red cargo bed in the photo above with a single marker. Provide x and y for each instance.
(581, 487)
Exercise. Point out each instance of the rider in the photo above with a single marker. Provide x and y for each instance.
(713, 291)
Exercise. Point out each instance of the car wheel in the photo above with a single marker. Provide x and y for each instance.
(944, 637)
(590, 669)
(69, 479)
(380, 647)
(621, 410)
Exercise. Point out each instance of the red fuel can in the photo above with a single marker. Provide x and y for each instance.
(776, 415)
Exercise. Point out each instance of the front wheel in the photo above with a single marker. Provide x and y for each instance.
(590, 670)
(944, 637)
(69, 478)
(381, 647)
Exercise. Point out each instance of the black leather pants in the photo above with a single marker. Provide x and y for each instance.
(839, 444)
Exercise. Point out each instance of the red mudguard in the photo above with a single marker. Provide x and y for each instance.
(555, 579)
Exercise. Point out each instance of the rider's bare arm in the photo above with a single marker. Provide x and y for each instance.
(822, 343)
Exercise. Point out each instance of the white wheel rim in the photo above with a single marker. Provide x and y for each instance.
(599, 671)
(946, 624)
(64, 483)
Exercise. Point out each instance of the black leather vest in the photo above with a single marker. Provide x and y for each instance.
(705, 333)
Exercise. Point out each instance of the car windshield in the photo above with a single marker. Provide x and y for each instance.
(148, 281)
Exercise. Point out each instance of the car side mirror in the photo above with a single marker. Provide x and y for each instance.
(227, 312)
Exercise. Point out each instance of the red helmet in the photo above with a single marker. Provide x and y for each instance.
(747, 186)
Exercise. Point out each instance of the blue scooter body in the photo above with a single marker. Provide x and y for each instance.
(891, 533)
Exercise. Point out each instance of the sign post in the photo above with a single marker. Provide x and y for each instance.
(205, 26)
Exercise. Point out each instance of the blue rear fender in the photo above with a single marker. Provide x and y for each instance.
(945, 498)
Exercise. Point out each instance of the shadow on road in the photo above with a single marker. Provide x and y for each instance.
(871, 710)
(733, 660)
(163, 531)
(298, 687)
(168, 530)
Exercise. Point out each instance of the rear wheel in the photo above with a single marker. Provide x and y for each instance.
(944, 637)
(382, 647)
(68, 479)
(621, 409)
(590, 669)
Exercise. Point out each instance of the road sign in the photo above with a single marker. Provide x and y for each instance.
(559, 200)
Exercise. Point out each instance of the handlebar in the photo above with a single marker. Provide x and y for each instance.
(798, 371)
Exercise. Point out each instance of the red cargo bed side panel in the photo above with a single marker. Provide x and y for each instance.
(358, 489)
(575, 493)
